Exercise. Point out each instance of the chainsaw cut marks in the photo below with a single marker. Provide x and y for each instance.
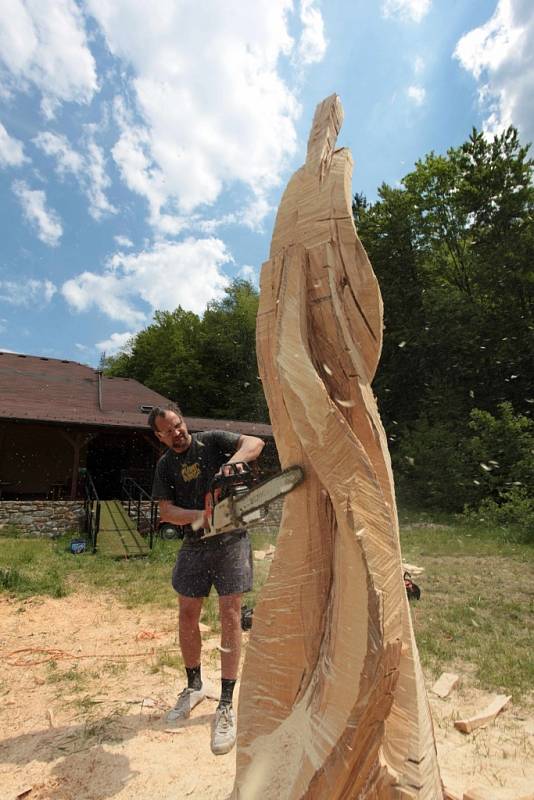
(332, 701)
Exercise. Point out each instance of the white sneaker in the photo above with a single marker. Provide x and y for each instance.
(187, 700)
(224, 731)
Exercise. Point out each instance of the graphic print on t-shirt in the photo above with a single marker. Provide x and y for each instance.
(190, 472)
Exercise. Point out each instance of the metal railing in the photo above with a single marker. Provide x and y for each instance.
(91, 508)
(140, 506)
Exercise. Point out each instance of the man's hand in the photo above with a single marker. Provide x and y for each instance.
(230, 468)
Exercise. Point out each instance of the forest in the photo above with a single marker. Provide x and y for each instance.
(452, 248)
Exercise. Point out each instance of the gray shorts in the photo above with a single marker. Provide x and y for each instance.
(227, 566)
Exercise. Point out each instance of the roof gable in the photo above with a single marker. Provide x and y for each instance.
(42, 389)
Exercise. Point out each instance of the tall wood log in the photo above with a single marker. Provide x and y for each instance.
(332, 703)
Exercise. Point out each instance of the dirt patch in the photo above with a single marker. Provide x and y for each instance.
(87, 723)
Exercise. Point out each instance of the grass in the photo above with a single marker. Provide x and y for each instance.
(475, 614)
(477, 608)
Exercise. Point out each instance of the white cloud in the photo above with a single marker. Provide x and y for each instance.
(407, 10)
(417, 94)
(43, 42)
(57, 145)
(11, 150)
(123, 241)
(27, 293)
(418, 65)
(249, 274)
(97, 181)
(46, 221)
(211, 108)
(312, 44)
(89, 169)
(186, 273)
(500, 56)
(116, 342)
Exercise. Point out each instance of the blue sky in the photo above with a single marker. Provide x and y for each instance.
(143, 155)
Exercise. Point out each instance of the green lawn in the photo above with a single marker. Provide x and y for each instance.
(475, 614)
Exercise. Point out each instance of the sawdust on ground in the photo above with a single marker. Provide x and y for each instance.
(88, 722)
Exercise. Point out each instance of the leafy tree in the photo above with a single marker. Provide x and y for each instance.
(228, 355)
(452, 252)
(164, 357)
(452, 249)
(207, 365)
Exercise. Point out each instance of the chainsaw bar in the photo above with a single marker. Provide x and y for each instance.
(242, 509)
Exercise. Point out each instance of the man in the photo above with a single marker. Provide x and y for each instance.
(182, 478)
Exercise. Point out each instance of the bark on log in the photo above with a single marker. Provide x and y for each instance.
(332, 703)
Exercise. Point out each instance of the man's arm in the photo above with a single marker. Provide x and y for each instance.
(248, 449)
(168, 512)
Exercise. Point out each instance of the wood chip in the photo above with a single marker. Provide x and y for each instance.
(448, 794)
(50, 717)
(203, 628)
(259, 555)
(445, 684)
(413, 569)
(24, 793)
(486, 716)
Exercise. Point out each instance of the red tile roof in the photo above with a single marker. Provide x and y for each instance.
(51, 390)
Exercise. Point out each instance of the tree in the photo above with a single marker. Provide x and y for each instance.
(229, 354)
(452, 250)
(208, 365)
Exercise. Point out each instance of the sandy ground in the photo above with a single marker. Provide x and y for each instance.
(87, 723)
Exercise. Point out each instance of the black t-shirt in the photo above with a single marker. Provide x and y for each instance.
(184, 478)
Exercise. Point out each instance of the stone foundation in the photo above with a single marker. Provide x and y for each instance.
(56, 517)
(42, 517)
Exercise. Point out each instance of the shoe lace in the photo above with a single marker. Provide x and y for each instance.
(183, 694)
(223, 722)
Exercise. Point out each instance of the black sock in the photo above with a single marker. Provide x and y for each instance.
(227, 692)
(194, 680)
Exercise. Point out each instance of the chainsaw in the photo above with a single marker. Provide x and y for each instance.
(235, 498)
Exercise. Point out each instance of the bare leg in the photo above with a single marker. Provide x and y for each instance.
(230, 616)
(189, 632)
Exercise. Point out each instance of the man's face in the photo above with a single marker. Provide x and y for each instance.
(172, 431)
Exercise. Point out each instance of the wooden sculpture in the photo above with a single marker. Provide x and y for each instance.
(332, 701)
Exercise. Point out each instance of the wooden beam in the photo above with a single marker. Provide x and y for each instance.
(79, 440)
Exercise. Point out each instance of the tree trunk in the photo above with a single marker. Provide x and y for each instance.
(332, 703)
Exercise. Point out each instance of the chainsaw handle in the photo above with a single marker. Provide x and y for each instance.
(233, 468)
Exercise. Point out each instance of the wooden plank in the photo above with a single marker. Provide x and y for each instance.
(445, 684)
(118, 536)
(485, 717)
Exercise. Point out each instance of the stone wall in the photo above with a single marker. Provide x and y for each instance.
(42, 517)
(55, 517)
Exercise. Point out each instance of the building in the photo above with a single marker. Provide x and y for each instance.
(57, 416)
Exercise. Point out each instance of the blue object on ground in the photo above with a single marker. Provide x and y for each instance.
(77, 546)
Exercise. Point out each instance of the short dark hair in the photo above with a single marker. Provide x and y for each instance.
(159, 411)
